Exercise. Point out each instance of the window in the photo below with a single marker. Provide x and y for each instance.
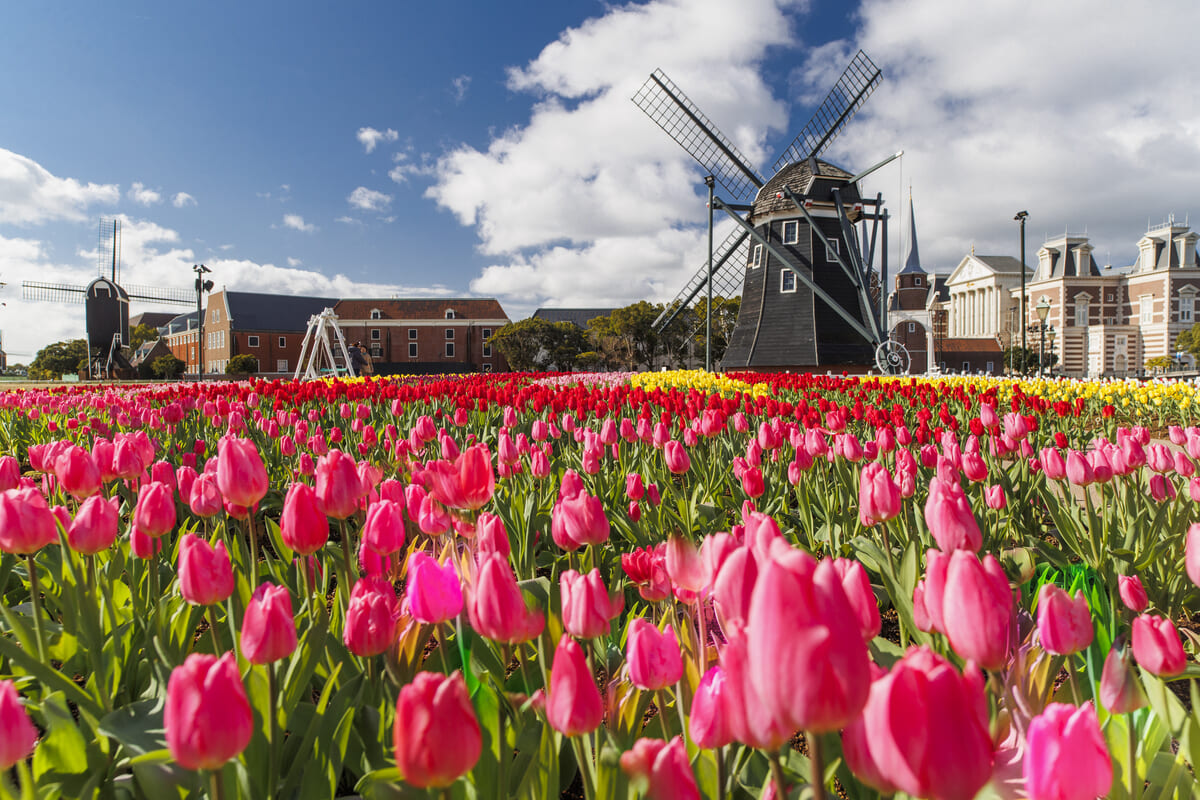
(375, 334)
(991, 367)
(487, 348)
(375, 313)
(281, 365)
(831, 250)
(787, 280)
(756, 257)
(1109, 297)
(449, 334)
(1081, 314)
(917, 280)
(912, 327)
(283, 341)
(216, 315)
(487, 367)
(791, 232)
(412, 333)
(1146, 309)
(376, 351)
(449, 349)
(252, 341)
(966, 366)
(449, 313)
(412, 349)
(1187, 305)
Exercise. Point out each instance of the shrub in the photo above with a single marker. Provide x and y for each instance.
(244, 364)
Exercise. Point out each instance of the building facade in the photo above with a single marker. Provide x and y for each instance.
(270, 327)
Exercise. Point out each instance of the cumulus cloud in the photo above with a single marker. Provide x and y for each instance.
(297, 223)
(182, 199)
(370, 138)
(143, 196)
(31, 195)
(369, 199)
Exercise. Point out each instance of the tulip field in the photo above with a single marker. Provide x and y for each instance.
(663, 585)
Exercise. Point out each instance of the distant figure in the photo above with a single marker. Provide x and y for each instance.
(357, 360)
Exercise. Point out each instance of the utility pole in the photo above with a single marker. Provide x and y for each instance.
(202, 286)
(1020, 217)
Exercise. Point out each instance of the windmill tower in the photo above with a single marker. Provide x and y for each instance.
(804, 252)
(105, 303)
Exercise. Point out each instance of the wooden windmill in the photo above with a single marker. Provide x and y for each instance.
(804, 252)
(105, 302)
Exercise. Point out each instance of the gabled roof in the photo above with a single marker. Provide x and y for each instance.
(176, 324)
(256, 311)
(155, 319)
(939, 291)
(578, 316)
(419, 308)
(1003, 263)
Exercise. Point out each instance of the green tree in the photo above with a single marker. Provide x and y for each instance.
(1189, 341)
(627, 336)
(724, 320)
(55, 360)
(167, 367)
(1024, 361)
(538, 345)
(141, 334)
(244, 364)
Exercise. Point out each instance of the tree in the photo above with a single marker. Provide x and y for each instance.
(167, 367)
(141, 334)
(724, 320)
(1160, 363)
(1024, 361)
(537, 344)
(1189, 341)
(245, 364)
(627, 336)
(55, 360)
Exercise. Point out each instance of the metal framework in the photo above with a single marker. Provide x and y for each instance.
(317, 355)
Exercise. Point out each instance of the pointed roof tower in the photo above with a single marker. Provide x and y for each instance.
(913, 264)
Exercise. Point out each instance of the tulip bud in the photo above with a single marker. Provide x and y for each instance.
(1120, 690)
(948, 515)
(708, 724)
(653, 656)
(574, 705)
(94, 528)
(1065, 756)
(878, 495)
(1064, 624)
(587, 607)
(436, 734)
(434, 593)
(497, 609)
(1192, 553)
(26, 523)
(154, 514)
(302, 526)
(383, 531)
(205, 572)
(1133, 594)
(268, 628)
(339, 487)
(17, 734)
(662, 768)
(207, 717)
(371, 617)
(977, 609)
(1157, 647)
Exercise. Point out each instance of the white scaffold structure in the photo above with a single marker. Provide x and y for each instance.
(317, 354)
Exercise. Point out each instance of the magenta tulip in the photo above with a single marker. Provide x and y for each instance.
(1192, 553)
(204, 498)
(436, 734)
(587, 607)
(468, 483)
(77, 472)
(1064, 624)
(205, 572)
(1065, 755)
(371, 617)
(94, 528)
(207, 718)
(302, 525)
(573, 705)
(708, 723)
(878, 495)
(676, 457)
(268, 628)
(434, 593)
(383, 531)
(1157, 647)
(652, 655)
(339, 488)
(17, 734)
(661, 769)
(26, 523)
(948, 515)
(1133, 593)
(154, 513)
(241, 475)
(577, 521)
(496, 607)
(977, 609)
(857, 587)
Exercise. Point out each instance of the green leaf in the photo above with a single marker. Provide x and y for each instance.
(138, 727)
(63, 749)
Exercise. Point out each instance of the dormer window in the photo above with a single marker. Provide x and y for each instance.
(375, 314)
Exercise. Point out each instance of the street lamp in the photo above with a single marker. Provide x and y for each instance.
(1050, 335)
(1043, 310)
(202, 286)
(1020, 217)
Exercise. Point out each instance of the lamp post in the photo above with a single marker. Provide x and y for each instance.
(1050, 335)
(1020, 217)
(202, 286)
(1043, 310)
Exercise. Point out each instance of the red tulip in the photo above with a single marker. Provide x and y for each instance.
(496, 607)
(436, 734)
(207, 717)
(339, 488)
(977, 609)
(647, 567)
(268, 628)
(383, 531)
(241, 475)
(205, 573)
(587, 607)
(371, 617)
(154, 513)
(434, 593)
(948, 515)
(1064, 624)
(652, 655)
(1157, 647)
(1065, 756)
(302, 525)
(94, 528)
(662, 768)
(1133, 594)
(573, 705)
(17, 734)
(26, 524)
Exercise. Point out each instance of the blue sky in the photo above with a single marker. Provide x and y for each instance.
(491, 148)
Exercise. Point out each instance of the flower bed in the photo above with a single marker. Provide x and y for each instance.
(506, 585)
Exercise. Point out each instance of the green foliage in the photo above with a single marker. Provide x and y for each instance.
(167, 367)
(1024, 361)
(539, 345)
(724, 319)
(1189, 341)
(244, 364)
(54, 360)
(1160, 363)
(627, 336)
(141, 334)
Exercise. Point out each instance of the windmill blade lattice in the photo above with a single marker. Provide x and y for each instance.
(150, 294)
(853, 88)
(672, 111)
(729, 261)
(53, 292)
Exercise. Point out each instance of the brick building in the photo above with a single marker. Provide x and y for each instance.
(270, 327)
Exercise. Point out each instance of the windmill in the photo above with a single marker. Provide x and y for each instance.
(803, 254)
(105, 302)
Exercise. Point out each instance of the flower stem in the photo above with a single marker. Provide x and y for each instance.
(36, 596)
(661, 702)
(253, 551)
(216, 790)
(1074, 680)
(777, 774)
(1135, 786)
(272, 729)
(818, 765)
(349, 564)
(212, 628)
(721, 779)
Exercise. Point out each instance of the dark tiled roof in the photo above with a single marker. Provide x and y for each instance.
(938, 290)
(182, 322)
(420, 308)
(255, 311)
(154, 319)
(579, 316)
(1003, 264)
(980, 345)
(796, 177)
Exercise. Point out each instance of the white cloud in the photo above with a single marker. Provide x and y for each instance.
(294, 262)
(369, 199)
(143, 196)
(406, 167)
(182, 199)
(31, 195)
(459, 87)
(348, 220)
(370, 138)
(296, 222)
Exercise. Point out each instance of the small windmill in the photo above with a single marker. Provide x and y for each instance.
(105, 301)
(806, 246)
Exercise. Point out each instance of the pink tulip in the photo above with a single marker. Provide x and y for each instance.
(1064, 624)
(241, 475)
(1120, 690)
(468, 483)
(154, 513)
(94, 528)
(587, 606)
(858, 591)
(383, 531)
(708, 723)
(676, 457)
(878, 495)
(1132, 593)
(77, 472)
(1192, 553)
(1053, 464)
(268, 628)
(977, 609)
(634, 488)
(974, 467)
(573, 705)
(653, 656)
(371, 617)
(662, 768)
(750, 719)
(948, 515)
(143, 545)
(995, 498)
(496, 607)
(26, 523)
(432, 517)
(436, 735)
(302, 525)
(17, 734)
(1157, 647)
(1065, 755)
(647, 567)
(205, 572)
(733, 585)
(752, 482)
(10, 472)
(339, 487)
(434, 593)
(204, 498)
(1161, 488)
(207, 717)
(578, 521)
(685, 566)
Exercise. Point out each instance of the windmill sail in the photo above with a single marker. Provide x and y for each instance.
(52, 292)
(726, 278)
(671, 110)
(108, 251)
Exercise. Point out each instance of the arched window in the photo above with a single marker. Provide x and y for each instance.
(375, 313)
(449, 313)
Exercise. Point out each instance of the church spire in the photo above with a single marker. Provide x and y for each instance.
(913, 263)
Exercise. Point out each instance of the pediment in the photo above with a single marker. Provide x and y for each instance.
(970, 269)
